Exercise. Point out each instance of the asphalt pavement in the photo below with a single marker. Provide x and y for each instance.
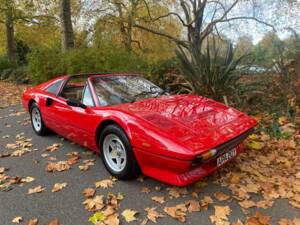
(66, 205)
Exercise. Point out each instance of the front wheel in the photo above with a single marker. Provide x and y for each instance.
(117, 154)
(37, 120)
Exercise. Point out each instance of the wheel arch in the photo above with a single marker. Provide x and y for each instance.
(30, 103)
(108, 122)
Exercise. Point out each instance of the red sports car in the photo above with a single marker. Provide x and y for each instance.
(136, 126)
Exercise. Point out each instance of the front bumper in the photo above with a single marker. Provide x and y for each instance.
(180, 172)
(174, 171)
(203, 170)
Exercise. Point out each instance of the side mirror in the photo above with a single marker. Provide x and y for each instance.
(168, 90)
(75, 103)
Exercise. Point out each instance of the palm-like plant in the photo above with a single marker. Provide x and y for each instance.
(210, 72)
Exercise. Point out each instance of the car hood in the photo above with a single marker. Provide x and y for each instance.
(196, 122)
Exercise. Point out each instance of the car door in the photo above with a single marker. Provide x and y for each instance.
(73, 122)
(47, 97)
(83, 120)
(56, 112)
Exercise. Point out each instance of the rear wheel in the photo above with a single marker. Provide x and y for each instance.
(117, 153)
(37, 120)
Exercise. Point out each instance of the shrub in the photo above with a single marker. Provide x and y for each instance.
(4, 63)
(162, 67)
(47, 63)
(164, 73)
(11, 72)
(22, 51)
(19, 75)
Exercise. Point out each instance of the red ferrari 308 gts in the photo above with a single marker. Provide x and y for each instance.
(136, 126)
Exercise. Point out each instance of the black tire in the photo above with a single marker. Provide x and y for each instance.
(43, 129)
(131, 169)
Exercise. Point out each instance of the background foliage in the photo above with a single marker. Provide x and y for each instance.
(48, 62)
(158, 40)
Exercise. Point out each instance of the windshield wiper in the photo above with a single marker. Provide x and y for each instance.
(145, 93)
(157, 92)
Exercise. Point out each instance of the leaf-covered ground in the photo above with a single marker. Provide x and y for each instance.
(50, 180)
(10, 94)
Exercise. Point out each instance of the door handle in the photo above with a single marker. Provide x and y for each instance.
(49, 101)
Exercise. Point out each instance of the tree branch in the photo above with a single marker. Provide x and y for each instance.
(138, 43)
(30, 19)
(249, 18)
(163, 16)
(210, 26)
(223, 16)
(218, 3)
(174, 14)
(177, 41)
(186, 10)
(170, 14)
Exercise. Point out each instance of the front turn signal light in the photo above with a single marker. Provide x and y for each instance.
(204, 157)
(209, 154)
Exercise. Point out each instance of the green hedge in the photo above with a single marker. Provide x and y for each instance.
(47, 63)
(4, 63)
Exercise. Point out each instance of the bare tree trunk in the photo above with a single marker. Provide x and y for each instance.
(126, 32)
(10, 34)
(128, 37)
(67, 35)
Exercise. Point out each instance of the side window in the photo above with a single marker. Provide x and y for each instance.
(74, 88)
(53, 88)
(87, 97)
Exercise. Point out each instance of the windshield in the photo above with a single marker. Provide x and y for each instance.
(113, 90)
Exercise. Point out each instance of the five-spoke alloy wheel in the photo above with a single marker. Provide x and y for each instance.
(114, 152)
(37, 120)
(117, 154)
